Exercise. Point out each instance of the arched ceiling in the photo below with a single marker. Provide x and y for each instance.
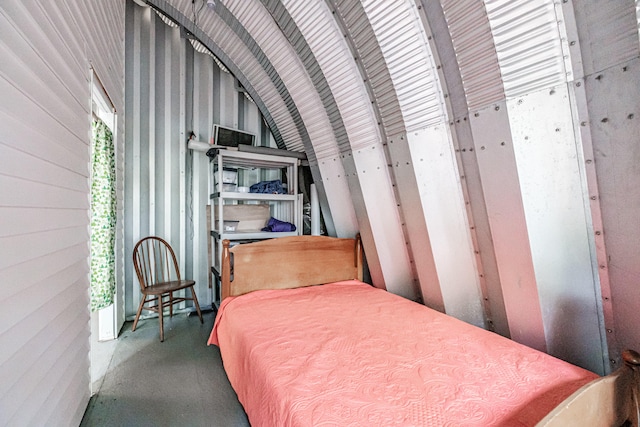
(452, 135)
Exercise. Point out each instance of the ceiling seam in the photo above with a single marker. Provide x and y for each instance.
(165, 8)
(264, 61)
(353, 45)
(291, 31)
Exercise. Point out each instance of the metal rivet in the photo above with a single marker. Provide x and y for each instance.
(625, 68)
(630, 116)
(477, 114)
(599, 77)
(594, 198)
(502, 143)
(578, 84)
(572, 43)
(609, 330)
(589, 161)
(602, 267)
(482, 148)
(605, 120)
(470, 149)
(497, 108)
(606, 298)
(598, 233)
(552, 92)
(557, 129)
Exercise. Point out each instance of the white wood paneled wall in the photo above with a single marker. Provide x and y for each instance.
(47, 52)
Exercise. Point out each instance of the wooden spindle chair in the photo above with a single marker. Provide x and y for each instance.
(159, 277)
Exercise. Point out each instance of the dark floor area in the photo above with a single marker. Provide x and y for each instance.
(178, 382)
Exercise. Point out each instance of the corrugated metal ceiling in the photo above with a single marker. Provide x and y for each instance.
(338, 77)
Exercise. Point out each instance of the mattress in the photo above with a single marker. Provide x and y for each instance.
(348, 354)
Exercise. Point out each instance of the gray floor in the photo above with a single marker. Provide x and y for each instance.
(179, 382)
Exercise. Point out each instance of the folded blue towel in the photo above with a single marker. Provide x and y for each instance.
(277, 225)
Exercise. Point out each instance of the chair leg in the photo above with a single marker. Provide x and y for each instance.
(135, 322)
(171, 304)
(195, 301)
(160, 310)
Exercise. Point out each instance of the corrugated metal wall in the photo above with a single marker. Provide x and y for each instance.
(173, 90)
(48, 49)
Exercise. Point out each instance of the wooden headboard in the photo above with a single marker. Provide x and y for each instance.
(289, 262)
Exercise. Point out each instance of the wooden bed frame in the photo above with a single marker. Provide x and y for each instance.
(292, 262)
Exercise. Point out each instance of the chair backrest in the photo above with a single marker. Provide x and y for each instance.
(154, 262)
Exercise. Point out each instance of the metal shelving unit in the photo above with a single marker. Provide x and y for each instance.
(250, 168)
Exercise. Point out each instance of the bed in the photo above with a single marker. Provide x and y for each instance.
(305, 342)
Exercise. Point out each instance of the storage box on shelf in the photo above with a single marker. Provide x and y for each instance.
(239, 215)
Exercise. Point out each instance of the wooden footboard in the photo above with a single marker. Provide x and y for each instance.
(607, 401)
(289, 262)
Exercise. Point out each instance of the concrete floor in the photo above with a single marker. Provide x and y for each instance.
(179, 382)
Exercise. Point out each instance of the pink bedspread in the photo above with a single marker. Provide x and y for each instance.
(347, 354)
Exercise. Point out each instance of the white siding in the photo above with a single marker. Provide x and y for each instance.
(47, 50)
